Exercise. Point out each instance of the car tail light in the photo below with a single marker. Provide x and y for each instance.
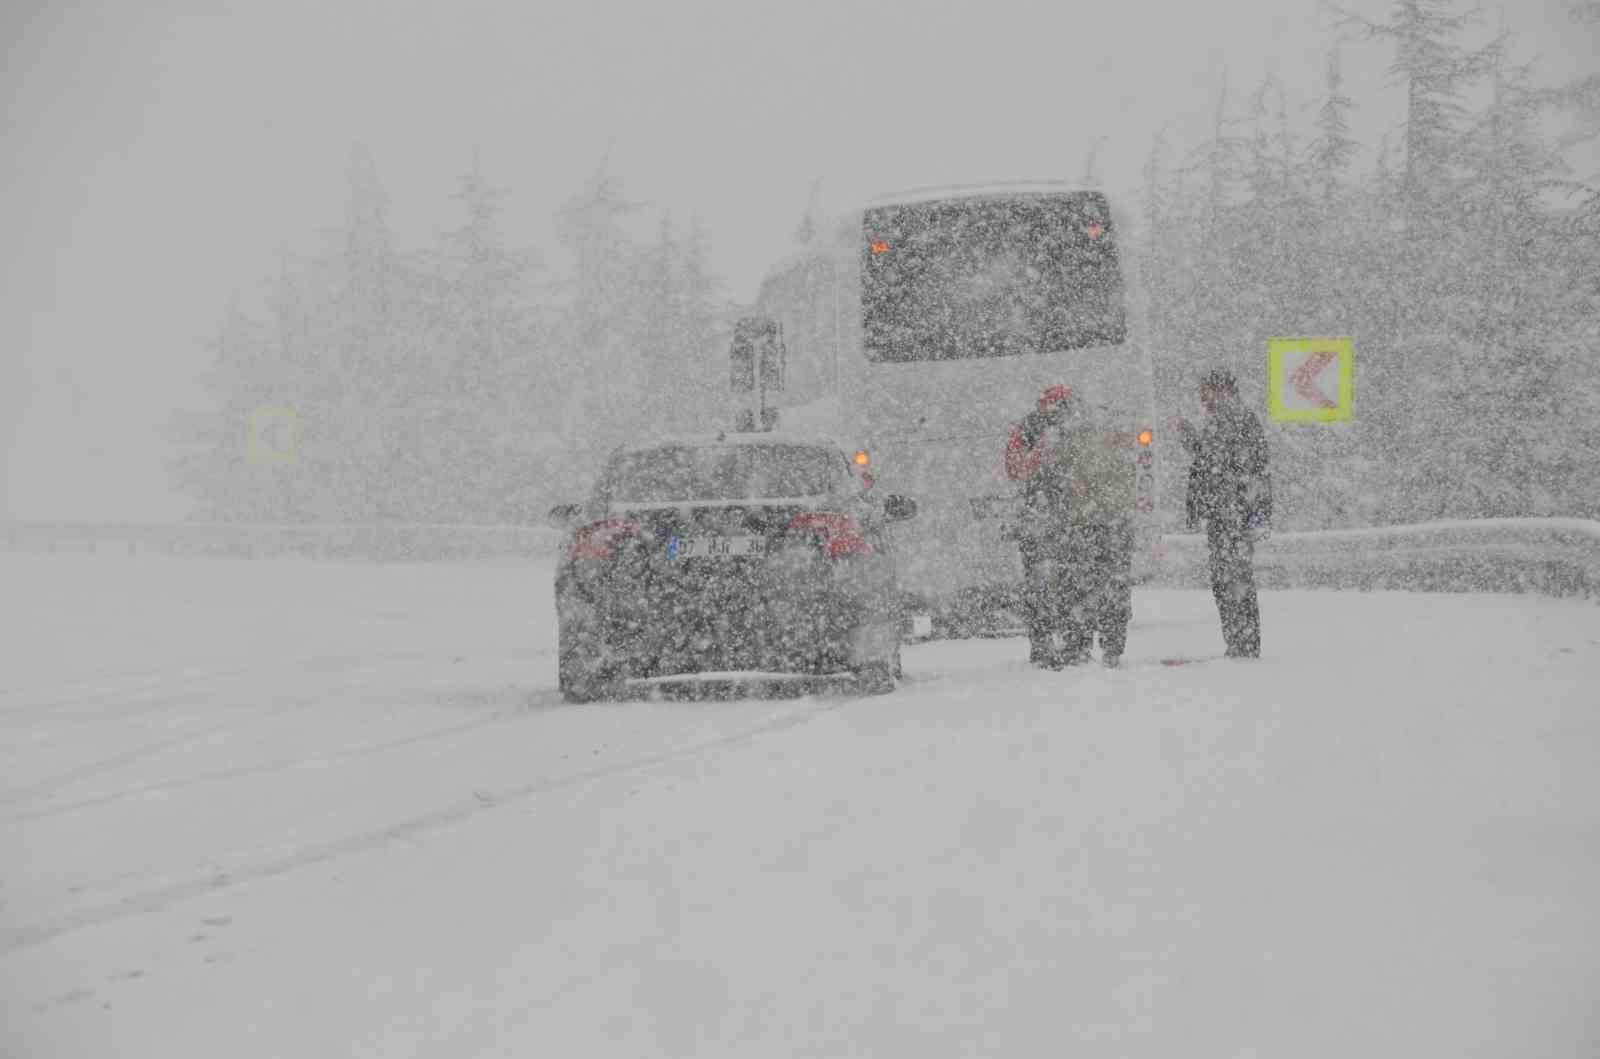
(838, 533)
(596, 540)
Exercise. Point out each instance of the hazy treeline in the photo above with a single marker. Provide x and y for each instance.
(1460, 252)
(458, 383)
(465, 382)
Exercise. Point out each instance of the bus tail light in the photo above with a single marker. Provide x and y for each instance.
(839, 534)
(1146, 436)
(596, 540)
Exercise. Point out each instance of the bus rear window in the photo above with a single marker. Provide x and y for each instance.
(990, 277)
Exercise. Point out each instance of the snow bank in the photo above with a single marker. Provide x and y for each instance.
(1554, 556)
(238, 540)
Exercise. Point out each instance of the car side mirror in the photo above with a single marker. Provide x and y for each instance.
(563, 516)
(898, 508)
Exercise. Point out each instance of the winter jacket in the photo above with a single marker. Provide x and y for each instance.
(1075, 472)
(1026, 446)
(1230, 488)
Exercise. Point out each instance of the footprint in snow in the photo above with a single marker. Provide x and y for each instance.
(72, 997)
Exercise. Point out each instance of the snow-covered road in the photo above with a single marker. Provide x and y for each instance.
(292, 809)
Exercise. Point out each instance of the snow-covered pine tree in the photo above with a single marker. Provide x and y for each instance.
(1523, 386)
(660, 330)
(480, 400)
(600, 367)
(355, 413)
(1414, 352)
(1203, 310)
(1434, 65)
(209, 458)
(1331, 152)
(701, 342)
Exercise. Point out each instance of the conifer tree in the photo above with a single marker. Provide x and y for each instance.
(701, 343)
(1331, 152)
(481, 392)
(601, 366)
(1434, 66)
(211, 458)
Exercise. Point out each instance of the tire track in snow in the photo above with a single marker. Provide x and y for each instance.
(67, 707)
(365, 750)
(112, 676)
(251, 715)
(145, 750)
(162, 896)
(69, 696)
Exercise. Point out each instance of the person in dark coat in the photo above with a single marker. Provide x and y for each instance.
(1230, 490)
(1077, 475)
(1026, 450)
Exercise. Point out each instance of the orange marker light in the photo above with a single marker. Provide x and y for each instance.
(861, 458)
(880, 247)
(1146, 437)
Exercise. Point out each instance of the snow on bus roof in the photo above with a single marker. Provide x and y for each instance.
(731, 437)
(958, 191)
(841, 230)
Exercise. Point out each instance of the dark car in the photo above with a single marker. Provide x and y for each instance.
(746, 560)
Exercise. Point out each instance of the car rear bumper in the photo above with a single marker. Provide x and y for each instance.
(736, 683)
(791, 637)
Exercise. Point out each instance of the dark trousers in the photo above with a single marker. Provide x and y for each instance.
(1079, 583)
(1038, 587)
(1233, 583)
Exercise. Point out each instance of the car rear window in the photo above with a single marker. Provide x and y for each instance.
(726, 472)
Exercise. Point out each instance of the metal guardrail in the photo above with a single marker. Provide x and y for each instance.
(1550, 556)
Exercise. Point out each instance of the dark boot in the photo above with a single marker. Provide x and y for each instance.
(1076, 640)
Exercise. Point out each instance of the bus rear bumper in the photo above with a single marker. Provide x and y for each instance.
(994, 606)
(976, 612)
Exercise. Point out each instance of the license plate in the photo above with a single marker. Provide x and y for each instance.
(715, 547)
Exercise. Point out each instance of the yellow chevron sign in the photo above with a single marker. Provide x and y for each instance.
(1311, 380)
(272, 436)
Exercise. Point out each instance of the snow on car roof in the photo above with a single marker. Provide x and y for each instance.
(957, 191)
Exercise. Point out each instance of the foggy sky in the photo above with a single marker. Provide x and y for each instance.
(159, 156)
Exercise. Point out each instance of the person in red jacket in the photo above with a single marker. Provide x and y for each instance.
(1025, 448)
